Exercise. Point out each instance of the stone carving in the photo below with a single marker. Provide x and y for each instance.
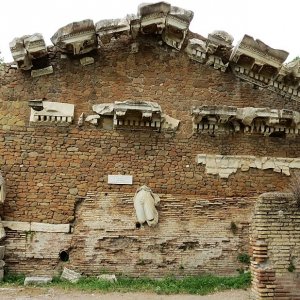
(161, 18)
(177, 25)
(267, 121)
(287, 82)
(87, 61)
(2, 189)
(29, 52)
(46, 111)
(153, 17)
(225, 165)
(134, 115)
(35, 46)
(144, 203)
(76, 38)
(215, 51)
(256, 62)
(196, 50)
(70, 275)
(42, 72)
(113, 28)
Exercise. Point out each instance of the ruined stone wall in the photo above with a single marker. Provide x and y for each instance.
(50, 168)
(275, 239)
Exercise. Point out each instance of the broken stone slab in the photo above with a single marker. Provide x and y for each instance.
(70, 275)
(169, 123)
(41, 72)
(2, 264)
(111, 28)
(93, 119)
(107, 277)
(19, 53)
(17, 225)
(76, 38)
(36, 280)
(2, 252)
(35, 45)
(45, 227)
(87, 61)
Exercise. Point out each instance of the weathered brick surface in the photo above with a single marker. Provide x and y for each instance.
(49, 168)
(275, 240)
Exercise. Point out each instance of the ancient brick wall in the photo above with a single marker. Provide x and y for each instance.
(49, 168)
(275, 239)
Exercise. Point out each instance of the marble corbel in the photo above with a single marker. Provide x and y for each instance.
(196, 50)
(30, 52)
(212, 118)
(153, 17)
(20, 54)
(144, 203)
(112, 28)
(46, 111)
(76, 38)
(287, 82)
(177, 25)
(219, 45)
(256, 62)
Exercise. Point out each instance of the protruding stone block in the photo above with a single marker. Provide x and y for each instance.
(257, 62)
(70, 275)
(20, 54)
(76, 38)
(35, 46)
(177, 24)
(112, 28)
(42, 72)
(87, 61)
(37, 280)
(53, 112)
(153, 17)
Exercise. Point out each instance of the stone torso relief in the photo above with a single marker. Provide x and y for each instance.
(144, 203)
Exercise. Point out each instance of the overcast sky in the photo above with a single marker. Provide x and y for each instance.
(275, 22)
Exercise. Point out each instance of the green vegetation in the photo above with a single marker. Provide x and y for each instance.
(291, 267)
(201, 285)
(233, 227)
(244, 258)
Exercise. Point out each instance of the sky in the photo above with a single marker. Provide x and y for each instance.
(275, 22)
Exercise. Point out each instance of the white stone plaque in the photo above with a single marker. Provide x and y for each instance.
(119, 179)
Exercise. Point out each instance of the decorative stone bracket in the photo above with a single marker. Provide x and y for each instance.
(55, 112)
(30, 50)
(225, 165)
(134, 115)
(270, 122)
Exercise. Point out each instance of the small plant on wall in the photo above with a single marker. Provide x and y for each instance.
(233, 227)
(244, 258)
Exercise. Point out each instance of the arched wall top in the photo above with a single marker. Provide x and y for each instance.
(250, 60)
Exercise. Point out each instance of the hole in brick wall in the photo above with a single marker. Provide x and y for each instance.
(137, 225)
(64, 255)
(105, 194)
(279, 134)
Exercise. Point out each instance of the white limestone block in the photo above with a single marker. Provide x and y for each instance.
(70, 275)
(46, 227)
(108, 277)
(16, 225)
(37, 280)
